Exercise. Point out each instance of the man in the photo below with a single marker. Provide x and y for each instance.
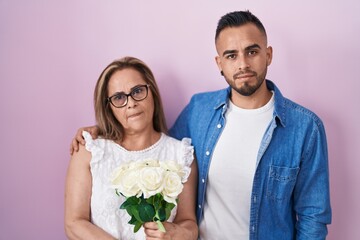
(262, 159)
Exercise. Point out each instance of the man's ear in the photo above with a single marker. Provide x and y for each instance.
(218, 62)
(269, 55)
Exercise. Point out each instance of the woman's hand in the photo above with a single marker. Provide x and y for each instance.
(184, 226)
(78, 139)
(152, 231)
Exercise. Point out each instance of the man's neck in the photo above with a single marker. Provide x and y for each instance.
(258, 99)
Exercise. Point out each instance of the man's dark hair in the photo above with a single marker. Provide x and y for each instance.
(236, 19)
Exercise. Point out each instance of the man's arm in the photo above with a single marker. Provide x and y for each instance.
(312, 191)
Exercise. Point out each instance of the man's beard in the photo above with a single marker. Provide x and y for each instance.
(246, 89)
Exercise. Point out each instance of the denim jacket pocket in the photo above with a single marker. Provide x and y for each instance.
(281, 182)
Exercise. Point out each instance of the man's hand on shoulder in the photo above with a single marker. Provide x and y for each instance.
(78, 139)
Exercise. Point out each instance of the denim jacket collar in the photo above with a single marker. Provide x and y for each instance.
(279, 111)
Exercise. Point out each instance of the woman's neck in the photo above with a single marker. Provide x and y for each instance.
(139, 141)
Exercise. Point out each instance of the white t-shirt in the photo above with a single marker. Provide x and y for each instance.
(232, 169)
(106, 156)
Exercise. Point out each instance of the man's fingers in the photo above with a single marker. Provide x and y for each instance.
(71, 149)
(93, 130)
(74, 147)
(78, 139)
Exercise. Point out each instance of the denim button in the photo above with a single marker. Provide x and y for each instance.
(203, 180)
(199, 206)
(207, 153)
(219, 125)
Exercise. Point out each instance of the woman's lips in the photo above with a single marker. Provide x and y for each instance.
(134, 115)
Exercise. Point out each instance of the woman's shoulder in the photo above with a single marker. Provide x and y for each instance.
(99, 147)
(174, 141)
(182, 148)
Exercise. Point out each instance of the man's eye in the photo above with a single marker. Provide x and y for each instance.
(252, 53)
(231, 56)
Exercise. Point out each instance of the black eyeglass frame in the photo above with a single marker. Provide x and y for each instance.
(129, 95)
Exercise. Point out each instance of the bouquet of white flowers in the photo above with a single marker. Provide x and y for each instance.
(151, 189)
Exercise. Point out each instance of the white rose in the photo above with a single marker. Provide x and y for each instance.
(125, 180)
(172, 186)
(172, 166)
(117, 174)
(151, 180)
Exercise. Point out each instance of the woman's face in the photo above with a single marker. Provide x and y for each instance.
(135, 116)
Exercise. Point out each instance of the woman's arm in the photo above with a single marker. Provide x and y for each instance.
(77, 199)
(184, 226)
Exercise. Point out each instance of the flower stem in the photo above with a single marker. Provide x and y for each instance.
(160, 226)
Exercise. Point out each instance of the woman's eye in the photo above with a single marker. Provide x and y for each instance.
(119, 97)
(137, 91)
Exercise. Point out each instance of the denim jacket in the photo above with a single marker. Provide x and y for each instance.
(290, 196)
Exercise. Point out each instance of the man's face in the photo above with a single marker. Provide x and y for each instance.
(243, 56)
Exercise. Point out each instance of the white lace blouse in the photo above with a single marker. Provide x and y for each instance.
(106, 156)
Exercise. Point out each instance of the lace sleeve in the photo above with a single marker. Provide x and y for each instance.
(96, 147)
(188, 156)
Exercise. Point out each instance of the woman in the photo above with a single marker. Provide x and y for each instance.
(131, 121)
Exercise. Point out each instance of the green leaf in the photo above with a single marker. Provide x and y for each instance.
(146, 212)
(124, 205)
(135, 212)
(129, 202)
(129, 211)
(133, 220)
(133, 200)
(158, 201)
(168, 208)
(158, 197)
(161, 214)
(150, 200)
(137, 226)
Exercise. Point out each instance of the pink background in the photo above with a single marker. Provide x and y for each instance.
(51, 53)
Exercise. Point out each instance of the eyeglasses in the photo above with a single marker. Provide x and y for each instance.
(120, 99)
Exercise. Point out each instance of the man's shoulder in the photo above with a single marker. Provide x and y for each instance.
(212, 93)
(213, 97)
(297, 112)
(289, 110)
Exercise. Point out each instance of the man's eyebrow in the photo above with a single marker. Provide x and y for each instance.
(255, 45)
(230, 52)
(252, 47)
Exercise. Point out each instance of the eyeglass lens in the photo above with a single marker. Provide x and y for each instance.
(120, 99)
